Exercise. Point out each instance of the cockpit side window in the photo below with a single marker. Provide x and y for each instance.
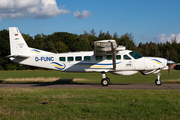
(126, 57)
(135, 55)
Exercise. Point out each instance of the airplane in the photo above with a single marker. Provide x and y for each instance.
(106, 57)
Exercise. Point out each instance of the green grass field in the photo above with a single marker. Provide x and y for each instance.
(174, 77)
(62, 104)
(88, 104)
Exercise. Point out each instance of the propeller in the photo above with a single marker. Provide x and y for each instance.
(113, 56)
(169, 62)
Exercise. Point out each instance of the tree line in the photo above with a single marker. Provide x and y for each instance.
(68, 42)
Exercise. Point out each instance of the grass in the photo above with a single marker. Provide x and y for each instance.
(89, 104)
(57, 76)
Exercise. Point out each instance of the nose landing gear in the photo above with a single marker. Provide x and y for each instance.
(158, 81)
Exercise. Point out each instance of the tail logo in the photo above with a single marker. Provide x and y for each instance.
(156, 61)
(36, 51)
(58, 65)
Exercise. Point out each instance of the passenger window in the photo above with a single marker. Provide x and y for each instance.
(78, 58)
(126, 57)
(62, 59)
(118, 57)
(98, 57)
(70, 59)
(87, 58)
(109, 57)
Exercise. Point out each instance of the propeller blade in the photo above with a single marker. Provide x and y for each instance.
(169, 55)
(168, 69)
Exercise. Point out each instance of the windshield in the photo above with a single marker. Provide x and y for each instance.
(135, 55)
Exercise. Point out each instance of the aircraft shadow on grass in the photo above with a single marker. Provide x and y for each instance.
(71, 82)
(58, 81)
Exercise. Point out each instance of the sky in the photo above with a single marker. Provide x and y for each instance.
(147, 20)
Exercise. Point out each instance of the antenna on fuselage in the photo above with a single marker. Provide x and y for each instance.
(55, 51)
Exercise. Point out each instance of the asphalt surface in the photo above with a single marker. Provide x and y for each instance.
(88, 86)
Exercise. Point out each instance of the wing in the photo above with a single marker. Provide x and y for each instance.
(107, 47)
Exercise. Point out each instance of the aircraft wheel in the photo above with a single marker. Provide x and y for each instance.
(105, 82)
(108, 79)
(158, 82)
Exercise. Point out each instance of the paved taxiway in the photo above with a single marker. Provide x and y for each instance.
(88, 86)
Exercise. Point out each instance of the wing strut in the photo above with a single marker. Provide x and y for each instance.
(113, 56)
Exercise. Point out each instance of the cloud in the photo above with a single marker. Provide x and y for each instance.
(162, 38)
(50, 9)
(145, 38)
(82, 15)
(38, 9)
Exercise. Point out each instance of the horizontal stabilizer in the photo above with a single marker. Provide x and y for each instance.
(20, 56)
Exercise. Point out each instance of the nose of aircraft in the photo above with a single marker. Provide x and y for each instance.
(155, 63)
(163, 62)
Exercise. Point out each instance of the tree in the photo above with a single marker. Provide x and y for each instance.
(85, 37)
(101, 36)
(93, 33)
(127, 40)
(92, 38)
(29, 40)
(61, 47)
(115, 37)
(65, 42)
(153, 50)
(10, 67)
(108, 36)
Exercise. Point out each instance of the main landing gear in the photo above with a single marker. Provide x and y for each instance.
(105, 81)
(158, 80)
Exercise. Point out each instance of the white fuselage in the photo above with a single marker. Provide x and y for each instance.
(87, 62)
(106, 57)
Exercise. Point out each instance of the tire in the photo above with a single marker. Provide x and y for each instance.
(105, 82)
(108, 79)
(158, 83)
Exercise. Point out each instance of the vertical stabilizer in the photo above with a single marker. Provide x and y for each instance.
(18, 45)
